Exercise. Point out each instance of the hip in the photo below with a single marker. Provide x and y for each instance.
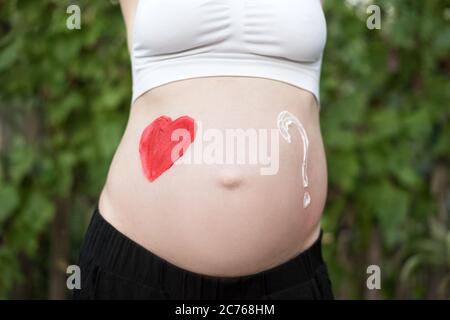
(115, 267)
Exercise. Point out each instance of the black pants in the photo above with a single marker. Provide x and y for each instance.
(115, 267)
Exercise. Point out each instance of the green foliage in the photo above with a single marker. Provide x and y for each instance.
(385, 122)
(64, 96)
(64, 99)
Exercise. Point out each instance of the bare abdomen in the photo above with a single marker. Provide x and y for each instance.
(231, 218)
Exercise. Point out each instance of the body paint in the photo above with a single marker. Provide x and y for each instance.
(286, 119)
(160, 144)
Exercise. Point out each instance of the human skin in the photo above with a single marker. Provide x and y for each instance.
(220, 220)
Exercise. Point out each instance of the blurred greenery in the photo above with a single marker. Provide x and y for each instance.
(64, 102)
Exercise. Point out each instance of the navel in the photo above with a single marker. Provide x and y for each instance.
(230, 179)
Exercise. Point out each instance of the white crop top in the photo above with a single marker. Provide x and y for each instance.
(275, 39)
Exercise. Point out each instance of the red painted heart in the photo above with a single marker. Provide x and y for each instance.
(163, 142)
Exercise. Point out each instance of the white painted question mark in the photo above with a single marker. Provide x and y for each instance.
(286, 119)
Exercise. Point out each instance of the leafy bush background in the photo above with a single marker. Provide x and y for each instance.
(64, 101)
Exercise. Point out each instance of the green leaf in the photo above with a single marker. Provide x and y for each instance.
(9, 200)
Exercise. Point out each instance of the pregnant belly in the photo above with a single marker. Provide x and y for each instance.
(233, 204)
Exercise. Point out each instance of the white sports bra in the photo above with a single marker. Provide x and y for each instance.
(275, 39)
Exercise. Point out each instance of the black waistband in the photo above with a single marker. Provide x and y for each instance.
(114, 252)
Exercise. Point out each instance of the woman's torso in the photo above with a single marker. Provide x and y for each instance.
(212, 218)
(222, 219)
